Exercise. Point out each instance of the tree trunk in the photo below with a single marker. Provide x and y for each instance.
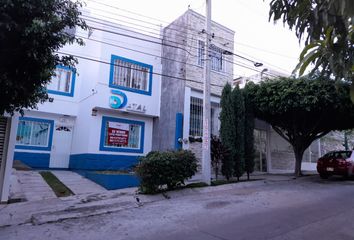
(248, 175)
(298, 159)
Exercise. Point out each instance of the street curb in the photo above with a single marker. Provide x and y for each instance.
(73, 213)
(84, 206)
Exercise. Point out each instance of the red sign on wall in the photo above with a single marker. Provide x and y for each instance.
(118, 134)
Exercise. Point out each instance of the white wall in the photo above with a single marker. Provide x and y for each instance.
(92, 89)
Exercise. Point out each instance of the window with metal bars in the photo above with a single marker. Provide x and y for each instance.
(215, 53)
(130, 75)
(196, 117)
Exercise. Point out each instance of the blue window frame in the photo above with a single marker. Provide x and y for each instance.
(130, 75)
(34, 134)
(63, 83)
(122, 135)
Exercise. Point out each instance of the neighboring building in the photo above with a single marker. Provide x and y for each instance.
(100, 115)
(275, 155)
(264, 73)
(180, 124)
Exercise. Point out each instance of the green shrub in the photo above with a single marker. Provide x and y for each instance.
(170, 169)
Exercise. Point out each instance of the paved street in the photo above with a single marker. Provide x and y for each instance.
(307, 208)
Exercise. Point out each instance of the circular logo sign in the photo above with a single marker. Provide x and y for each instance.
(118, 100)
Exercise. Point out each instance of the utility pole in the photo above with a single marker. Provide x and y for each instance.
(206, 99)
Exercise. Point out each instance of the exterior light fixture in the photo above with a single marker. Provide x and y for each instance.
(227, 52)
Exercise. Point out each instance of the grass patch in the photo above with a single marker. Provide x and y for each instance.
(56, 185)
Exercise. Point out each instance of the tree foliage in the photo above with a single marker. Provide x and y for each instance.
(239, 125)
(30, 34)
(227, 130)
(302, 110)
(219, 154)
(328, 29)
(233, 132)
(248, 134)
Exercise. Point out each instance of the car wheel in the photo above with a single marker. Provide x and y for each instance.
(324, 175)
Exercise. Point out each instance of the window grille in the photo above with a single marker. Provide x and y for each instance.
(216, 58)
(130, 75)
(196, 118)
(215, 53)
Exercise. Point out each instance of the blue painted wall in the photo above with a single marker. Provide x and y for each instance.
(101, 161)
(111, 181)
(34, 160)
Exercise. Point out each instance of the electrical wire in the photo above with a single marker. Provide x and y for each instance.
(164, 44)
(154, 73)
(178, 30)
(170, 59)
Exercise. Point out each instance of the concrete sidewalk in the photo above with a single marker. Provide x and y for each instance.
(77, 183)
(29, 186)
(83, 205)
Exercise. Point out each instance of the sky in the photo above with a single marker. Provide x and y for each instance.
(256, 38)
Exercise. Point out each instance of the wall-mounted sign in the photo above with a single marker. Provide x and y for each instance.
(118, 100)
(118, 134)
(136, 107)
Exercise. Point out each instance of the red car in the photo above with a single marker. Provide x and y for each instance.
(336, 163)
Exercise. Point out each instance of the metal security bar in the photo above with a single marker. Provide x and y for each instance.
(3, 123)
(196, 117)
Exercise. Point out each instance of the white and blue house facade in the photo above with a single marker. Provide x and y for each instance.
(100, 113)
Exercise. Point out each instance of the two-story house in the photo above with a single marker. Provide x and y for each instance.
(180, 123)
(100, 114)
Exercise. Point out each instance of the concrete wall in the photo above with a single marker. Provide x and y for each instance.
(282, 158)
(184, 33)
(223, 38)
(172, 84)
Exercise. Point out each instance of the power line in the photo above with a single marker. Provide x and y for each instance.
(89, 18)
(177, 30)
(134, 50)
(154, 73)
(127, 35)
(197, 32)
(138, 38)
(158, 30)
(168, 45)
(170, 59)
(125, 29)
(264, 50)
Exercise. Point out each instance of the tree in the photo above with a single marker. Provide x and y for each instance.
(219, 154)
(30, 34)
(239, 125)
(302, 110)
(248, 134)
(227, 130)
(328, 29)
